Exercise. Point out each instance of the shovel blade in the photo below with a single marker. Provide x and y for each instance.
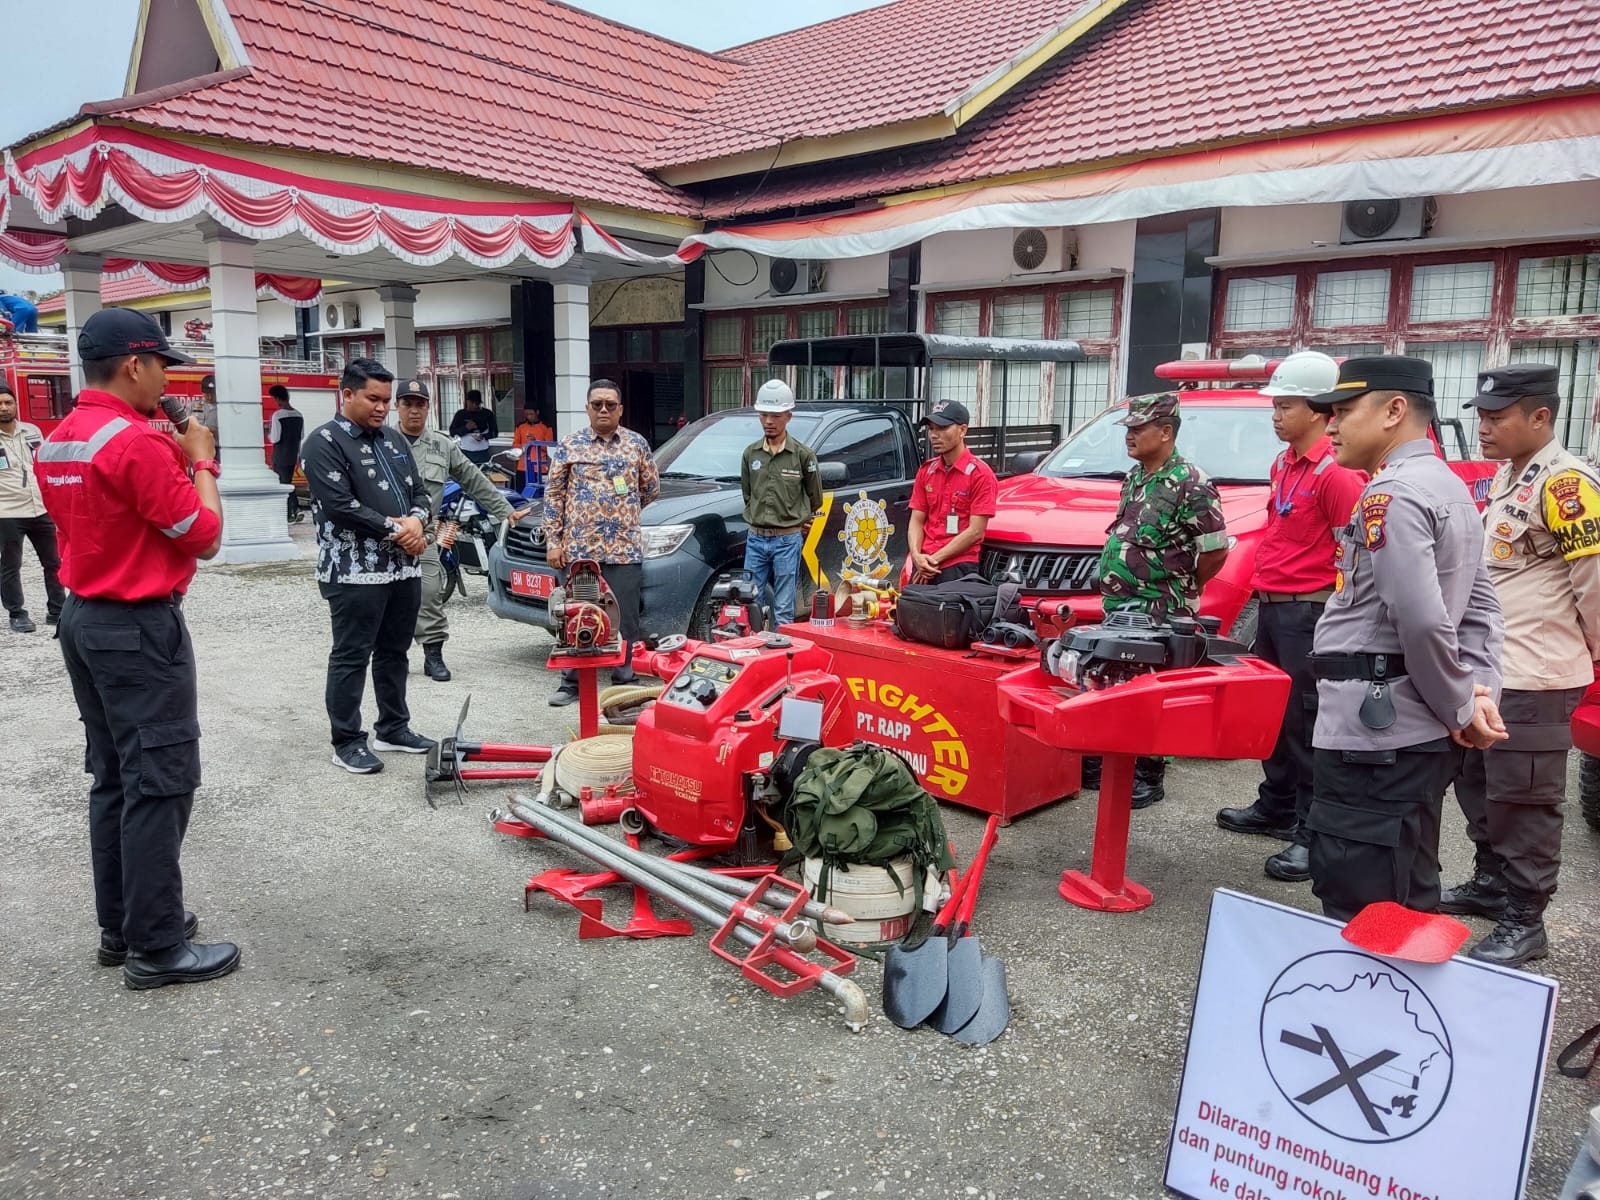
(914, 982)
(963, 988)
(994, 1010)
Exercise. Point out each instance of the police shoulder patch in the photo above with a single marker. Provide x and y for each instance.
(1374, 511)
(1572, 512)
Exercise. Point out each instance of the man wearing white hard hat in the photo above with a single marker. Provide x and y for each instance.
(782, 489)
(1312, 496)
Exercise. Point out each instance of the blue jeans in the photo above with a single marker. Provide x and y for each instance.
(774, 562)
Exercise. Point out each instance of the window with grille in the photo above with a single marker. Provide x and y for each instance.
(447, 394)
(767, 328)
(1015, 393)
(1351, 298)
(501, 348)
(951, 379)
(1089, 313)
(1455, 379)
(817, 322)
(1578, 361)
(724, 336)
(867, 318)
(1259, 302)
(726, 387)
(1082, 391)
(1566, 285)
(444, 350)
(1452, 291)
(956, 317)
(424, 353)
(1018, 317)
(472, 348)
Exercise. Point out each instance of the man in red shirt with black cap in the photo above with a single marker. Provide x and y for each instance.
(132, 524)
(951, 501)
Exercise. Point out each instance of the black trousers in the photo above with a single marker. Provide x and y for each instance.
(372, 623)
(132, 673)
(1374, 825)
(625, 579)
(41, 531)
(1283, 637)
(1512, 795)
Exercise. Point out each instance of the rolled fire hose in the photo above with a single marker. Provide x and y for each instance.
(596, 762)
(843, 990)
(620, 697)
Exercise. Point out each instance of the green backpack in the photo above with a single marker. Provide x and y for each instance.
(864, 806)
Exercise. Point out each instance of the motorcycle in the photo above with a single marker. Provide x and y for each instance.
(464, 534)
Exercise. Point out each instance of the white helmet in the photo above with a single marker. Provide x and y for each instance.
(776, 396)
(1306, 373)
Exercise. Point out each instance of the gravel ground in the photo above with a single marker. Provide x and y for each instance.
(401, 1028)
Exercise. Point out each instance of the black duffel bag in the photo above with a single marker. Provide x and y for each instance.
(953, 613)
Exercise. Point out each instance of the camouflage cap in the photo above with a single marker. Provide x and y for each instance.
(1144, 409)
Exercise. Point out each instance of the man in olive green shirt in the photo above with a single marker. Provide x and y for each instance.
(782, 489)
(440, 459)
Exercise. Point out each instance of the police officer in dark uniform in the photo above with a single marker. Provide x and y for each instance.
(1543, 555)
(132, 524)
(1406, 653)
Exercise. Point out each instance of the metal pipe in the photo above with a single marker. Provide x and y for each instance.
(802, 935)
(843, 990)
(735, 886)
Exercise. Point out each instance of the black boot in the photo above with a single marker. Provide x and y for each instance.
(1091, 774)
(187, 962)
(1149, 779)
(1292, 864)
(1484, 895)
(433, 663)
(1519, 937)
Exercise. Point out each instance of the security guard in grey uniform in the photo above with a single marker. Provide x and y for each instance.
(1406, 653)
(1543, 553)
(439, 458)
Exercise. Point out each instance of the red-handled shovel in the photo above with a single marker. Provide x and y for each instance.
(914, 978)
(964, 965)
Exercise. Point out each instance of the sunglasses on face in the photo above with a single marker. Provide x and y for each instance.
(603, 406)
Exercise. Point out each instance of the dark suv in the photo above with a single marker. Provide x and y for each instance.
(695, 530)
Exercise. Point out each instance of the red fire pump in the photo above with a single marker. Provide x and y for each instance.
(1129, 687)
(709, 756)
(584, 614)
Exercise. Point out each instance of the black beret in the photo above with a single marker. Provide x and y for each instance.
(1504, 386)
(1377, 373)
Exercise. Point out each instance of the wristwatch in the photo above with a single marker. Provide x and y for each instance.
(206, 464)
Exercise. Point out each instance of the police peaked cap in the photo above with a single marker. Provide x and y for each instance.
(1376, 373)
(1504, 386)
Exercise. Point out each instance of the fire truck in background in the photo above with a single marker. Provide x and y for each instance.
(36, 367)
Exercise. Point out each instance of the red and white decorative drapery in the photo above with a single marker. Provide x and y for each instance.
(161, 181)
(37, 254)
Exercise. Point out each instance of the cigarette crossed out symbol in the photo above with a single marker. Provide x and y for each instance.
(1347, 1075)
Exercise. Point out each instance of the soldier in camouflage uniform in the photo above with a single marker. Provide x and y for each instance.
(1166, 541)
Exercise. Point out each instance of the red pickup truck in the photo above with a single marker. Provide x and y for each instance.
(1050, 523)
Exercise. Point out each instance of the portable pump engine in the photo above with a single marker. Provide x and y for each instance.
(584, 614)
(739, 611)
(709, 764)
(1129, 644)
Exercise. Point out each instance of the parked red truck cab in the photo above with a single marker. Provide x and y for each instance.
(1050, 523)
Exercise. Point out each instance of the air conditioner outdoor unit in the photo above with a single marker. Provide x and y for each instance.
(1386, 220)
(795, 276)
(1036, 251)
(342, 316)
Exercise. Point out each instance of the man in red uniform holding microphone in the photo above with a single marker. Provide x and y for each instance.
(1312, 495)
(132, 524)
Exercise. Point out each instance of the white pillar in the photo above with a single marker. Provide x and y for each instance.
(81, 274)
(399, 329)
(572, 356)
(255, 524)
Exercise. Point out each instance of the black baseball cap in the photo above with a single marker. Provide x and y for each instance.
(947, 412)
(118, 332)
(1504, 386)
(412, 387)
(1376, 373)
